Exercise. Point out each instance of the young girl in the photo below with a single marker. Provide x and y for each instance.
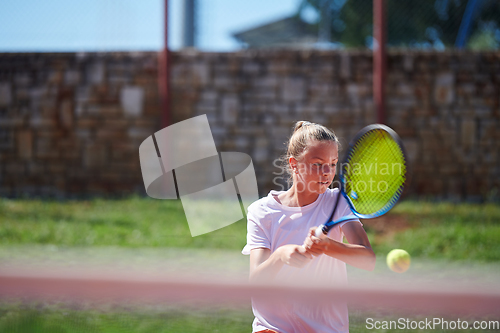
(281, 241)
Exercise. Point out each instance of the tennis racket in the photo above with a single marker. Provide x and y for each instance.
(372, 175)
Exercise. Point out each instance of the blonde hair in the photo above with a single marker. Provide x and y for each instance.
(303, 133)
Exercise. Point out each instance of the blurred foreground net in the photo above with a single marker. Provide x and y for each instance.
(200, 291)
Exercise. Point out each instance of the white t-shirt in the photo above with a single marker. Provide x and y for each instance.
(271, 225)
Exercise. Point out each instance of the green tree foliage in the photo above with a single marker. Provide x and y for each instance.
(410, 23)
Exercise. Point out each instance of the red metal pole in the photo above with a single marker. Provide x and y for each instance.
(163, 77)
(379, 58)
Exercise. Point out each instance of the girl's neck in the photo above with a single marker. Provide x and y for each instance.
(295, 198)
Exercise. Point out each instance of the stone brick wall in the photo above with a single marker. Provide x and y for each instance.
(71, 124)
(445, 106)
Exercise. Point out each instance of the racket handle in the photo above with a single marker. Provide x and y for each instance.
(320, 231)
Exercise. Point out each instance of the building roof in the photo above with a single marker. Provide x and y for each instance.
(290, 31)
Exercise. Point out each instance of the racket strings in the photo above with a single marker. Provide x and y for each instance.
(373, 142)
(390, 154)
(370, 189)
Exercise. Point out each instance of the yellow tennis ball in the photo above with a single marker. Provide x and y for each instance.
(398, 260)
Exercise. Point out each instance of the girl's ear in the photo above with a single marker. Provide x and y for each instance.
(293, 164)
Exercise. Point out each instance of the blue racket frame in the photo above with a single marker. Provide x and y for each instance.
(355, 215)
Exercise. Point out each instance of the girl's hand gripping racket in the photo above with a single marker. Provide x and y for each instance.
(372, 175)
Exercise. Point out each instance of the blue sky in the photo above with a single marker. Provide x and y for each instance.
(106, 25)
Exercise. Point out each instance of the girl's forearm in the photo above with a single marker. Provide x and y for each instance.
(268, 269)
(359, 256)
(265, 266)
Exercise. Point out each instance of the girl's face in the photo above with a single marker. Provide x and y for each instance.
(314, 171)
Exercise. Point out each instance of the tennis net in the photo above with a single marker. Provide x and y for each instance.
(210, 293)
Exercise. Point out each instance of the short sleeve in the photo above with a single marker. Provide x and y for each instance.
(258, 232)
(345, 210)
